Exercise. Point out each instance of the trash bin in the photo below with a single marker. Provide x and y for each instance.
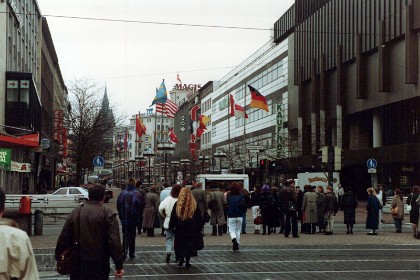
(38, 222)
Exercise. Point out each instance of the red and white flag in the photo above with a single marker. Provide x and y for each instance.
(236, 110)
(173, 136)
(178, 78)
(168, 108)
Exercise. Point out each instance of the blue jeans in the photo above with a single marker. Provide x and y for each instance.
(169, 240)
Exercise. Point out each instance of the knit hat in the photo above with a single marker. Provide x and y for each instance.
(265, 188)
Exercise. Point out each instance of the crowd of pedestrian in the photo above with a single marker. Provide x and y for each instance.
(181, 213)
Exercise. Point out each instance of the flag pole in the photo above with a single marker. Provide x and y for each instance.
(244, 168)
(228, 119)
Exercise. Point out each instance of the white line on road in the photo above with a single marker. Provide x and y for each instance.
(266, 272)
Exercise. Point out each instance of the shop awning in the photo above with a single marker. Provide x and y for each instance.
(29, 140)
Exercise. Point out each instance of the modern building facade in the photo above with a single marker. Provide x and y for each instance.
(245, 141)
(353, 84)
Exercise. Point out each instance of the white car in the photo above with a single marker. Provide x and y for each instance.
(70, 192)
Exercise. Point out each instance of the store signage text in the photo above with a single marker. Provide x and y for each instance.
(279, 124)
(5, 156)
(20, 167)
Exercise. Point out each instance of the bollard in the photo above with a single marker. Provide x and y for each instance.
(25, 205)
(25, 220)
(38, 222)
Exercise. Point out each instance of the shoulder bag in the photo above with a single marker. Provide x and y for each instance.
(69, 260)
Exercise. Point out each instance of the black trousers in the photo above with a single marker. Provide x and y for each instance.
(129, 239)
(291, 223)
(92, 270)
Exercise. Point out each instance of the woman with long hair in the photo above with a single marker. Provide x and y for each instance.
(397, 201)
(187, 223)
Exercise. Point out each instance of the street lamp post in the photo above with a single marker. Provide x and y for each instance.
(220, 155)
(139, 161)
(165, 149)
(131, 164)
(149, 154)
(185, 162)
(203, 159)
(175, 164)
(126, 169)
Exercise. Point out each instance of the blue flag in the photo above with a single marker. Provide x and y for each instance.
(161, 94)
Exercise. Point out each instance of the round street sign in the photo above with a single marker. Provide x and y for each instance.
(372, 163)
(98, 161)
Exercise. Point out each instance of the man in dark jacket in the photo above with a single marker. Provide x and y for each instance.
(331, 208)
(288, 202)
(129, 206)
(99, 238)
(201, 199)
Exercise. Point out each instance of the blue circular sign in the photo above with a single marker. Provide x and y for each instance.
(98, 161)
(372, 163)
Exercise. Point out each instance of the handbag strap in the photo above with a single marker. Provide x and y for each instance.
(77, 224)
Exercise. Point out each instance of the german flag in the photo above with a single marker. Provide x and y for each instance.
(257, 100)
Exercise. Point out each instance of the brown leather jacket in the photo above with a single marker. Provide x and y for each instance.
(99, 234)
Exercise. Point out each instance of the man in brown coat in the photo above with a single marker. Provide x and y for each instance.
(99, 238)
(201, 199)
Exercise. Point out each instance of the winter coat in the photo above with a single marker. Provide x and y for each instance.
(233, 201)
(217, 217)
(255, 198)
(372, 207)
(309, 207)
(17, 258)
(124, 214)
(201, 199)
(99, 234)
(188, 237)
(320, 206)
(269, 210)
(331, 203)
(165, 209)
(398, 202)
(151, 210)
(414, 213)
(349, 204)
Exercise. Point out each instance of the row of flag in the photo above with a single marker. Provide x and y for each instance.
(197, 125)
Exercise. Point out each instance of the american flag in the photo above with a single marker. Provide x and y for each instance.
(168, 108)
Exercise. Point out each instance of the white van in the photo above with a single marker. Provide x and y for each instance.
(218, 181)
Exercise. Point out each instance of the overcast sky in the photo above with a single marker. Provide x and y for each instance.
(131, 59)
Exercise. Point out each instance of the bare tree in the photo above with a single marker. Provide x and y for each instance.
(88, 124)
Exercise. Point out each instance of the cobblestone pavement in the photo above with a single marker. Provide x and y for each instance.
(270, 262)
(339, 256)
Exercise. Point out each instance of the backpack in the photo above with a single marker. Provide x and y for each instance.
(213, 203)
(131, 202)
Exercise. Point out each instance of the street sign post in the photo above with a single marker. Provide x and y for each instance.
(371, 165)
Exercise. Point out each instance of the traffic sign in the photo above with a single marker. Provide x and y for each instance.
(98, 161)
(372, 170)
(372, 163)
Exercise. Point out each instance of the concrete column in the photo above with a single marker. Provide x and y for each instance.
(377, 129)
(322, 128)
(313, 133)
(339, 129)
(300, 136)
